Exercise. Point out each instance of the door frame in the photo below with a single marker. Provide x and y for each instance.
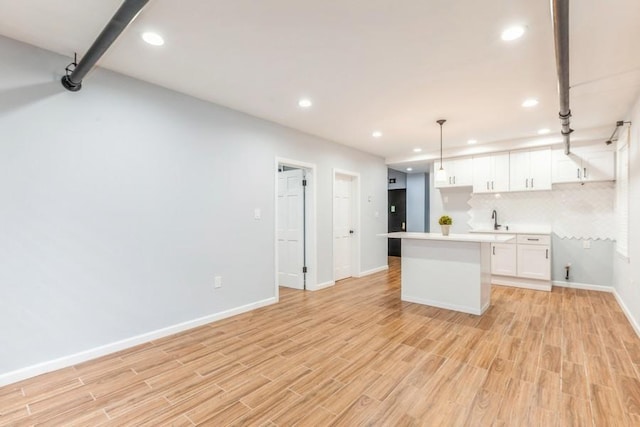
(310, 221)
(355, 216)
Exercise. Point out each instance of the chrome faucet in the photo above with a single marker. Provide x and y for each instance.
(494, 217)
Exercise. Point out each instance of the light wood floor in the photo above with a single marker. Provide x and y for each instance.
(355, 354)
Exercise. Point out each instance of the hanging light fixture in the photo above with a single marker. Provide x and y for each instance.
(441, 175)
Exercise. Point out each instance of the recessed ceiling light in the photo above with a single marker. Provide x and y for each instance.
(543, 131)
(409, 169)
(512, 33)
(305, 103)
(376, 134)
(472, 141)
(417, 150)
(152, 38)
(531, 102)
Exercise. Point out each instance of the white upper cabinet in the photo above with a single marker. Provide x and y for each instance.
(530, 170)
(491, 173)
(459, 173)
(582, 165)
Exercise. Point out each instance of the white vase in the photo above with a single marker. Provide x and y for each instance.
(445, 229)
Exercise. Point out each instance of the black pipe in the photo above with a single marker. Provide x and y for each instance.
(123, 17)
(560, 11)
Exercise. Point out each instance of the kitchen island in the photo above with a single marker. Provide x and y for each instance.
(452, 272)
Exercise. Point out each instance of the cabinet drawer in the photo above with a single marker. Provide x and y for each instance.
(534, 239)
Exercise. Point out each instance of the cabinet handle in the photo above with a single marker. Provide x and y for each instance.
(454, 179)
(585, 173)
(487, 185)
(532, 240)
(531, 182)
(526, 183)
(492, 185)
(547, 254)
(494, 250)
(578, 173)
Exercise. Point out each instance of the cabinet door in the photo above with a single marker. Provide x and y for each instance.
(500, 172)
(482, 174)
(519, 171)
(534, 262)
(565, 168)
(540, 175)
(503, 259)
(463, 170)
(599, 166)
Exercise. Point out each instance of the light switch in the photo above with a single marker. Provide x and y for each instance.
(446, 199)
(257, 214)
(376, 214)
(586, 244)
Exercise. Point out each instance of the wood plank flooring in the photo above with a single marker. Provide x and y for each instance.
(354, 354)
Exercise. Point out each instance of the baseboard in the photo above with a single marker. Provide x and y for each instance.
(517, 282)
(446, 306)
(323, 285)
(373, 271)
(627, 313)
(585, 286)
(83, 356)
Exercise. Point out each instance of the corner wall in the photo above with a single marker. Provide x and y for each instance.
(627, 271)
(120, 203)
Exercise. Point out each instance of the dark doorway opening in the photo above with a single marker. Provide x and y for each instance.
(397, 218)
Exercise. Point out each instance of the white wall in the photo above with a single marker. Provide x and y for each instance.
(119, 204)
(627, 271)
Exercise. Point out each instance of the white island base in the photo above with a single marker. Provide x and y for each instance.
(452, 272)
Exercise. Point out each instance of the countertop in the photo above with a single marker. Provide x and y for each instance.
(469, 237)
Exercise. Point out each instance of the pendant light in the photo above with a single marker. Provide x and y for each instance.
(441, 175)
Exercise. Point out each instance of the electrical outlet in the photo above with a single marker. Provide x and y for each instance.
(217, 282)
(586, 244)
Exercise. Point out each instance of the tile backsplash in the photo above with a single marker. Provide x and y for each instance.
(569, 210)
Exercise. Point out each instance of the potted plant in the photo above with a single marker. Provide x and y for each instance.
(445, 224)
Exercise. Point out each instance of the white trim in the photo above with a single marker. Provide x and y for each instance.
(373, 271)
(323, 285)
(627, 312)
(312, 228)
(444, 305)
(355, 195)
(585, 286)
(83, 356)
(517, 282)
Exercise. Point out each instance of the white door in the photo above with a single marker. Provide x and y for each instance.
(290, 229)
(500, 172)
(503, 259)
(342, 227)
(565, 168)
(519, 170)
(482, 174)
(540, 169)
(599, 166)
(533, 262)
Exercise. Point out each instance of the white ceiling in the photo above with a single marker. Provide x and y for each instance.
(366, 64)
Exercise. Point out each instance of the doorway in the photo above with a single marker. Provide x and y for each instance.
(346, 224)
(397, 219)
(295, 225)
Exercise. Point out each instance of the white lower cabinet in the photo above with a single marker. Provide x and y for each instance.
(503, 259)
(524, 263)
(533, 262)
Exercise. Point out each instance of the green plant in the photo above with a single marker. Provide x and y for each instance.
(445, 220)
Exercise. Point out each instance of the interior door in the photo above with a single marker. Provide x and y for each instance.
(290, 229)
(397, 219)
(342, 227)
